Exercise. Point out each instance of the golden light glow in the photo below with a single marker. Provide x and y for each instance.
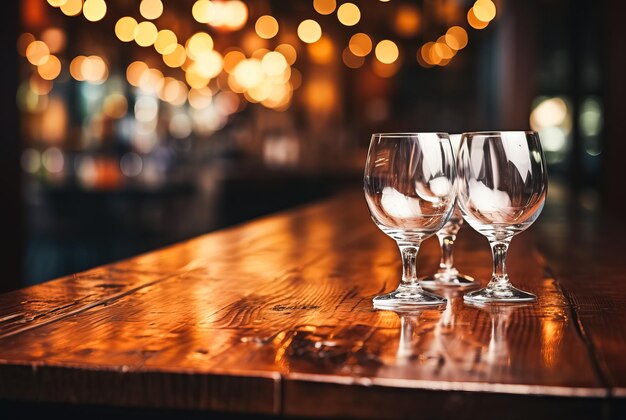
(386, 51)
(248, 73)
(75, 66)
(166, 42)
(57, 3)
(176, 58)
(115, 106)
(37, 53)
(349, 14)
(421, 52)
(295, 78)
(145, 34)
(151, 81)
(200, 98)
(72, 7)
(151, 9)
(228, 15)
(54, 38)
(324, 7)
(173, 91)
(320, 94)
(443, 51)
(202, 11)
(385, 70)
(50, 69)
(209, 64)
(195, 79)
(322, 51)
(93, 69)
(288, 51)
(360, 44)
(94, 10)
(474, 21)
(407, 20)
(274, 63)
(266, 27)
(125, 29)
(231, 59)
(23, 42)
(134, 71)
(456, 38)
(484, 10)
(309, 31)
(198, 43)
(351, 60)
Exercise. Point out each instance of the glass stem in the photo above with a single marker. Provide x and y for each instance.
(499, 278)
(409, 265)
(447, 245)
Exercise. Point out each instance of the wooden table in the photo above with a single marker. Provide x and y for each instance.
(274, 317)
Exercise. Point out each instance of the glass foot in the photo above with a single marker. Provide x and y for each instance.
(491, 294)
(407, 298)
(458, 280)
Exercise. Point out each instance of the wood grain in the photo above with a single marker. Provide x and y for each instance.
(275, 317)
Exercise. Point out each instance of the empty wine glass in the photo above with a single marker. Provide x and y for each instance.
(501, 189)
(448, 275)
(409, 188)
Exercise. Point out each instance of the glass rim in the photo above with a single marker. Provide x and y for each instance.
(408, 134)
(495, 133)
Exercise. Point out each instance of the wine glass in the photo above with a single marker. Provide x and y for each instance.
(409, 189)
(448, 275)
(501, 189)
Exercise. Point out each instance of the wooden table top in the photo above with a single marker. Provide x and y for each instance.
(275, 317)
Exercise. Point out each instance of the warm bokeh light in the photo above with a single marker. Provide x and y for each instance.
(386, 51)
(39, 86)
(407, 20)
(37, 52)
(266, 27)
(151, 9)
(443, 50)
(484, 10)
(75, 66)
(360, 44)
(208, 64)
(322, 51)
(151, 81)
(474, 21)
(351, 60)
(55, 39)
(51, 69)
(134, 71)
(176, 58)
(93, 69)
(231, 59)
(200, 98)
(324, 7)
(145, 34)
(201, 11)
(309, 31)
(456, 38)
(94, 10)
(288, 51)
(274, 63)
(72, 7)
(125, 29)
(228, 15)
(166, 41)
(248, 73)
(349, 14)
(198, 43)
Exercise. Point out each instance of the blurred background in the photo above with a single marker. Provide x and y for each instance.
(130, 125)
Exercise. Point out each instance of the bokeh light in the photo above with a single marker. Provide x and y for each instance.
(324, 7)
(145, 34)
(309, 31)
(266, 27)
(360, 44)
(386, 51)
(94, 10)
(349, 14)
(151, 9)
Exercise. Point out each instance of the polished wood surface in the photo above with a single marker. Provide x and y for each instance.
(275, 317)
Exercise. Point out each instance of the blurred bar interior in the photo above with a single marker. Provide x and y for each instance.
(130, 125)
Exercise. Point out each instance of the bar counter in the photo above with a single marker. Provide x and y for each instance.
(274, 317)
